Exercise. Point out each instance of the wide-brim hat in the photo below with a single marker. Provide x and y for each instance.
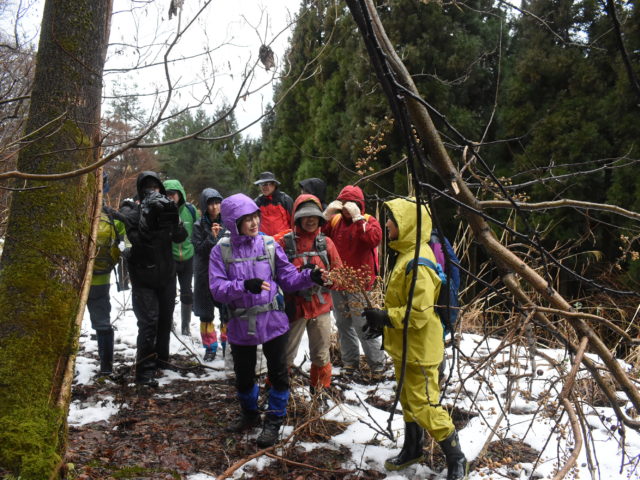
(266, 177)
(309, 209)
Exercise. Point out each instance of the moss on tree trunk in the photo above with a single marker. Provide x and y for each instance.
(47, 241)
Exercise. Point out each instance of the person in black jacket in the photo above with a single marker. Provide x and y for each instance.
(316, 187)
(151, 228)
(207, 230)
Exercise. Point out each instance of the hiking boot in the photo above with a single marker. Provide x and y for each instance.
(377, 373)
(457, 466)
(411, 451)
(348, 371)
(270, 431)
(146, 382)
(209, 356)
(246, 420)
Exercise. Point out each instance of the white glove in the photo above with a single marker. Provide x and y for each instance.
(333, 208)
(353, 210)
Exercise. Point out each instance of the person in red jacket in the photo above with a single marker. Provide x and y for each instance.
(306, 246)
(356, 236)
(275, 205)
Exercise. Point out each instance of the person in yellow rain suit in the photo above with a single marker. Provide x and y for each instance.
(420, 395)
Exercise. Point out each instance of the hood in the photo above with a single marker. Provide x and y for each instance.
(351, 193)
(404, 213)
(234, 207)
(316, 187)
(176, 185)
(305, 197)
(206, 195)
(141, 177)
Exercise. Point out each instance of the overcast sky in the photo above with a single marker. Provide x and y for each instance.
(231, 32)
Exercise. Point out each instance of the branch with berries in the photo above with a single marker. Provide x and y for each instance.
(357, 280)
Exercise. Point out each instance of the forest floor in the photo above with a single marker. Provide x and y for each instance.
(508, 419)
(178, 431)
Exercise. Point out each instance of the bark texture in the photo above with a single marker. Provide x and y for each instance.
(47, 246)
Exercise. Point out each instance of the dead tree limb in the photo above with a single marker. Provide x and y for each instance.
(513, 268)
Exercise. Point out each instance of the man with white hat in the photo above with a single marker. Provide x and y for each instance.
(275, 206)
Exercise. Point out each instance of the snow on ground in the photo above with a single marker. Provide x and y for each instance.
(532, 416)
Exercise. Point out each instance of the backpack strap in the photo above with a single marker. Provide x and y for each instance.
(290, 245)
(250, 314)
(192, 210)
(428, 263)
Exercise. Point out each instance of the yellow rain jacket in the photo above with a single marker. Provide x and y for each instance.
(425, 346)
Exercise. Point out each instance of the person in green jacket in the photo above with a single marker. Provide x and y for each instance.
(420, 395)
(183, 252)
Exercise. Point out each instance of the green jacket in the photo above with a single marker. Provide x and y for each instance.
(424, 345)
(183, 251)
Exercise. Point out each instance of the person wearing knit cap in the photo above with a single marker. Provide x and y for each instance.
(309, 310)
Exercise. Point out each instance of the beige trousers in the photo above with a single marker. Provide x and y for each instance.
(319, 333)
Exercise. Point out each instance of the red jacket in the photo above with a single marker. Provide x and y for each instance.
(305, 242)
(357, 242)
(275, 212)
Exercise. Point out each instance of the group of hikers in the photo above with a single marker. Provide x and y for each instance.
(265, 265)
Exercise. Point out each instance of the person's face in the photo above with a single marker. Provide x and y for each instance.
(309, 224)
(173, 195)
(213, 208)
(150, 184)
(267, 188)
(250, 224)
(392, 230)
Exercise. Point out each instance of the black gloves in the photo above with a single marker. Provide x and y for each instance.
(253, 285)
(376, 320)
(316, 277)
(316, 273)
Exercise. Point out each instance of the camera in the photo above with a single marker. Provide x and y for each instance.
(158, 211)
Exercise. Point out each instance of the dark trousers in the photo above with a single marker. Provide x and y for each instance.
(153, 308)
(99, 306)
(244, 363)
(184, 270)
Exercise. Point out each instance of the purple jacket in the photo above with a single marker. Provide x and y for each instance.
(227, 281)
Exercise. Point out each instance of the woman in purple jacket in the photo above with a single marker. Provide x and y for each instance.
(245, 273)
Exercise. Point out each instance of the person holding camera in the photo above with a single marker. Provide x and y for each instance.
(152, 227)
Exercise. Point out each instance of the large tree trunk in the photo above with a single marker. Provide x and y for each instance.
(47, 246)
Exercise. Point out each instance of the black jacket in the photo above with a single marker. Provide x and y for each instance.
(150, 259)
(316, 187)
(203, 243)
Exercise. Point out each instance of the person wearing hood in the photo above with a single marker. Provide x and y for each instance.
(152, 226)
(314, 186)
(420, 395)
(356, 236)
(183, 251)
(207, 231)
(275, 205)
(246, 272)
(310, 309)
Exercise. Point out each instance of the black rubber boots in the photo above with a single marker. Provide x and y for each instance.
(457, 467)
(411, 450)
(105, 351)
